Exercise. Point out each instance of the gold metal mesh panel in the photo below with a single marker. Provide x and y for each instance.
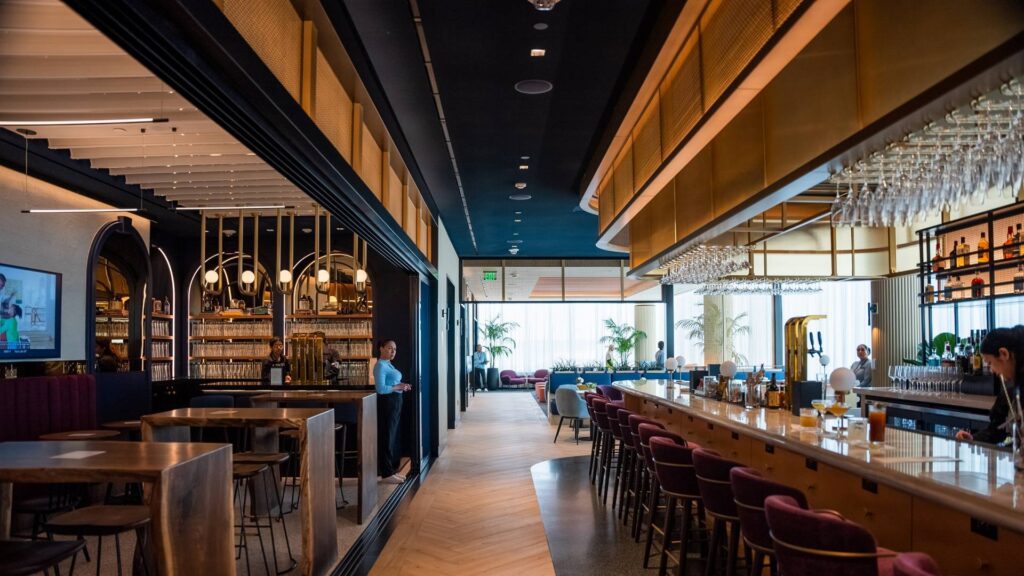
(680, 97)
(623, 176)
(784, 8)
(423, 231)
(647, 144)
(274, 30)
(410, 212)
(732, 31)
(394, 204)
(370, 170)
(333, 112)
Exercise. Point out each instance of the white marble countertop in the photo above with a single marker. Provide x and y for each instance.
(968, 477)
(969, 401)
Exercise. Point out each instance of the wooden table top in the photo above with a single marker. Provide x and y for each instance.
(232, 416)
(81, 435)
(334, 396)
(93, 460)
(124, 425)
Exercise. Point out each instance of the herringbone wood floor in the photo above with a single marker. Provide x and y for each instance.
(477, 512)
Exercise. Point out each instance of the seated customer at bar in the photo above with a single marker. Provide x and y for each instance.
(277, 360)
(1003, 350)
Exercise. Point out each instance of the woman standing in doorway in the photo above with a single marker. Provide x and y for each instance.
(389, 385)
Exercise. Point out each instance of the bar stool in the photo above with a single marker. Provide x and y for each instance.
(613, 457)
(652, 505)
(620, 420)
(291, 436)
(21, 557)
(716, 490)
(599, 405)
(588, 399)
(244, 475)
(750, 489)
(610, 392)
(103, 520)
(673, 465)
(813, 542)
(915, 564)
(274, 461)
(638, 473)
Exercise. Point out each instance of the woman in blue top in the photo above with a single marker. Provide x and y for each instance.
(388, 381)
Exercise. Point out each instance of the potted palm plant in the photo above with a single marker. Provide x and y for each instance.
(709, 331)
(496, 334)
(623, 338)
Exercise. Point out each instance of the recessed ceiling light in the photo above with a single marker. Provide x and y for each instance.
(540, 26)
(518, 212)
(339, 228)
(517, 221)
(307, 230)
(520, 197)
(270, 229)
(520, 185)
(514, 241)
(524, 157)
(538, 52)
(524, 166)
(515, 233)
(533, 86)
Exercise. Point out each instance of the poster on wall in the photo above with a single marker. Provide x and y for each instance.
(29, 313)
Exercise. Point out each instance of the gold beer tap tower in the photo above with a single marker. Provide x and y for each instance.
(307, 355)
(796, 352)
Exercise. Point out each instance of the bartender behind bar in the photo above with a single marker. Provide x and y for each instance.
(277, 370)
(1003, 350)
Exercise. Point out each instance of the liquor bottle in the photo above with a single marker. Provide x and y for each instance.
(1018, 280)
(965, 251)
(947, 356)
(962, 359)
(774, 400)
(977, 287)
(929, 292)
(954, 256)
(1008, 250)
(968, 352)
(978, 363)
(1018, 238)
(982, 249)
(947, 290)
(938, 261)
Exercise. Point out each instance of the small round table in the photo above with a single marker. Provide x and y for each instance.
(81, 435)
(124, 426)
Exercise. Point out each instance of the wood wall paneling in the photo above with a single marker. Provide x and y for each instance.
(640, 236)
(371, 162)
(333, 108)
(662, 220)
(896, 60)
(623, 176)
(695, 202)
(605, 202)
(826, 68)
(947, 536)
(395, 194)
(897, 326)
(681, 104)
(738, 165)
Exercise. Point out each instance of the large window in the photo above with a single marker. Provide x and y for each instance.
(551, 332)
(750, 318)
(846, 304)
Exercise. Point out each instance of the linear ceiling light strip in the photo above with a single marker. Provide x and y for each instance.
(82, 122)
(418, 22)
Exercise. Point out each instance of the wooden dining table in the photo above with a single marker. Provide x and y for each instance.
(188, 491)
(365, 404)
(316, 480)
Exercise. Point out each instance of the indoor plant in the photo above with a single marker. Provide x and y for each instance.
(499, 343)
(623, 337)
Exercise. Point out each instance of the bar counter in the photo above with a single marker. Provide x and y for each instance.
(960, 502)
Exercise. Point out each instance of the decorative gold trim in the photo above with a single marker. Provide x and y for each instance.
(830, 553)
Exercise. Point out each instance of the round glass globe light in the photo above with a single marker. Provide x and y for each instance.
(210, 277)
(680, 362)
(670, 364)
(842, 379)
(248, 277)
(360, 275)
(729, 368)
(285, 276)
(322, 276)
(824, 359)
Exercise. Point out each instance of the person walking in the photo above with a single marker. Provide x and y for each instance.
(389, 385)
(480, 368)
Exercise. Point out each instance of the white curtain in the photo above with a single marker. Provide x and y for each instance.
(846, 304)
(756, 346)
(552, 332)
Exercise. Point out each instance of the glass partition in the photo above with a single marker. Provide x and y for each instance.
(549, 280)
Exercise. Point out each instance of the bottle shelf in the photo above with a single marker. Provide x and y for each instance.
(239, 358)
(230, 317)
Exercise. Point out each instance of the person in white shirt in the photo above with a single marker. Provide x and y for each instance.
(863, 366)
(659, 356)
(480, 368)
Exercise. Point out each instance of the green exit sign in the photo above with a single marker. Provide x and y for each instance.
(490, 274)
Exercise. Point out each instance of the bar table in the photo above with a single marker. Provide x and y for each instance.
(187, 487)
(366, 430)
(316, 481)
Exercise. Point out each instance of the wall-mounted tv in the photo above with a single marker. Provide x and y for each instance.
(29, 313)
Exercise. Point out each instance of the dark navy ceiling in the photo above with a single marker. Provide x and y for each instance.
(597, 51)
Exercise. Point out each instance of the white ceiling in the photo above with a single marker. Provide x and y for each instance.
(55, 66)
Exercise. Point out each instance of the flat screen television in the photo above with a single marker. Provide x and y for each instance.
(29, 314)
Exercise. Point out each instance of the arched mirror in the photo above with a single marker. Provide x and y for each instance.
(348, 290)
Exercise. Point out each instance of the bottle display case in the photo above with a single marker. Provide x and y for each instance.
(228, 347)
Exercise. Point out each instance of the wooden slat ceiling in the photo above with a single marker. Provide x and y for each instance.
(55, 66)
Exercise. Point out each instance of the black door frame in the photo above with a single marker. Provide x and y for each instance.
(449, 324)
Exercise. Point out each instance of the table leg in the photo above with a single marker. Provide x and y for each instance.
(193, 517)
(6, 501)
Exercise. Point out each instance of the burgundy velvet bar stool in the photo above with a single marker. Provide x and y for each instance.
(750, 489)
(673, 465)
(915, 564)
(652, 505)
(588, 399)
(610, 392)
(634, 491)
(716, 489)
(626, 458)
(811, 542)
(606, 441)
(613, 459)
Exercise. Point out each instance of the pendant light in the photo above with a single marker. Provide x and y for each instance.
(284, 277)
(248, 280)
(359, 266)
(210, 280)
(323, 271)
